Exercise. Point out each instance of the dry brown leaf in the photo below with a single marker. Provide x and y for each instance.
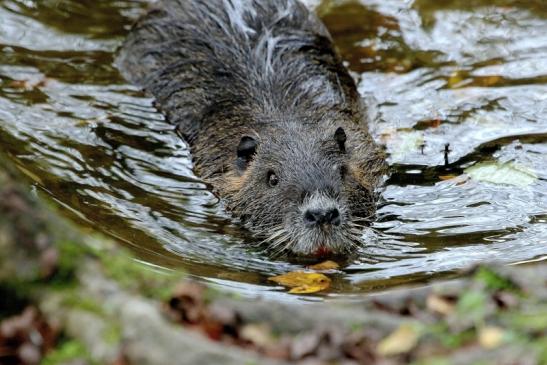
(28, 84)
(439, 304)
(447, 177)
(491, 337)
(305, 345)
(187, 305)
(20, 84)
(303, 282)
(401, 341)
(326, 265)
(49, 262)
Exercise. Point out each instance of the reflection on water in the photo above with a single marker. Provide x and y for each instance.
(472, 75)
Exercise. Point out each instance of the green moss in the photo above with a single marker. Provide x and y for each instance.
(472, 304)
(540, 346)
(135, 276)
(119, 264)
(74, 300)
(534, 320)
(356, 327)
(68, 351)
(113, 335)
(448, 339)
(71, 255)
(494, 281)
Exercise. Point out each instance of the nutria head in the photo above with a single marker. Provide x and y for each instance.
(298, 187)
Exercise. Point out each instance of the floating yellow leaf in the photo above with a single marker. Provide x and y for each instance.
(326, 265)
(491, 337)
(303, 282)
(307, 289)
(455, 79)
(401, 341)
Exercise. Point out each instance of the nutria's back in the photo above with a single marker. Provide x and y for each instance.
(272, 117)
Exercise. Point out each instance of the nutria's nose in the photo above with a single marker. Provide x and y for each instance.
(317, 217)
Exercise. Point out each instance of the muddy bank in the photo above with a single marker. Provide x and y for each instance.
(91, 302)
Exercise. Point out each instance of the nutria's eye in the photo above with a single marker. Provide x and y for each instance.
(272, 179)
(340, 137)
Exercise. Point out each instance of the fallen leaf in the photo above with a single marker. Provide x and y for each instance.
(455, 79)
(401, 341)
(429, 123)
(49, 262)
(20, 84)
(26, 337)
(357, 346)
(440, 304)
(447, 177)
(505, 300)
(29, 84)
(508, 173)
(491, 337)
(258, 334)
(308, 289)
(303, 282)
(228, 317)
(187, 304)
(305, 345)
(487, 80)
(326, 265)
(29, 354)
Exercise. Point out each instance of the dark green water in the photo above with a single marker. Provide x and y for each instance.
(472, 74)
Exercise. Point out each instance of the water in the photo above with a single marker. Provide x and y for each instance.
(469, 74)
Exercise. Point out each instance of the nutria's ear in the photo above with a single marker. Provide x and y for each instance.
(340, 137)
(245, 151)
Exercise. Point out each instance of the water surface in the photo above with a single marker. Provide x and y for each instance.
(468, 74)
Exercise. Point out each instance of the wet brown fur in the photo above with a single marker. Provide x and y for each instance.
(223, 69)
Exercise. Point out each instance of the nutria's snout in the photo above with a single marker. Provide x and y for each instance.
(323, 225)
(322, 217)
(320, 211)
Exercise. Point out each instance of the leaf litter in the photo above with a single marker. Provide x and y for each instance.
(444, 322)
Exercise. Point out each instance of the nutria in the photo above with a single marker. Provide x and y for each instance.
(272, 117)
